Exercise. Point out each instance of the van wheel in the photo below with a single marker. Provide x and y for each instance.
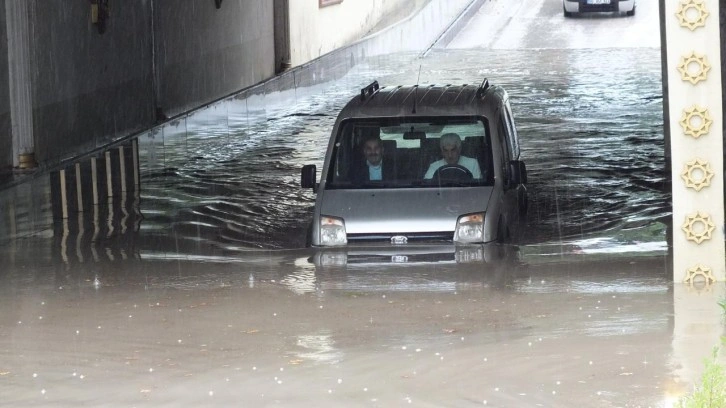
(567, 13)
(630, 13)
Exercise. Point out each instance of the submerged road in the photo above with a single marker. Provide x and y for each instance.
(539, 24)
(590, 123)
(201, 293)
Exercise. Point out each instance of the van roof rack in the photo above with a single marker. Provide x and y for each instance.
(369, 90)
(482, 88)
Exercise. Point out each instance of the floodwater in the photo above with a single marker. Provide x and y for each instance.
(589, 115)
(273, 329)
(595, 153)
(198, 291)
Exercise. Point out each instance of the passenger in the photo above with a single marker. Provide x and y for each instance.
(450, 144)
(376, 165)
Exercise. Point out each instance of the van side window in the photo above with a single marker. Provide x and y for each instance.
(343, 152)
(512, 137)
(504, 141)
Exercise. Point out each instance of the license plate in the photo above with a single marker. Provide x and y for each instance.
(598, 1)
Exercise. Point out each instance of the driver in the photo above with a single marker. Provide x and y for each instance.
(450, 144)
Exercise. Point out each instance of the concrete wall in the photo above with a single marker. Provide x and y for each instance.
(204, 53)
(6, 137)
(160, 58)
(88, 88)
(316, 30)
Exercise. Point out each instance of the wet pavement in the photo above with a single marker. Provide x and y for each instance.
(197, 290)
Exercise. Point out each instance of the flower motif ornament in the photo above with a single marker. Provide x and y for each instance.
(697, 174)
(692, 14)
(694, 68)
(698, 227)
(699, 270)
(696, 121)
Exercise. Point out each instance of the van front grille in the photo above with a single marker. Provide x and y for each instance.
(413, 237)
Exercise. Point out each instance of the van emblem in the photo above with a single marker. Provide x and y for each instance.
(398, 240)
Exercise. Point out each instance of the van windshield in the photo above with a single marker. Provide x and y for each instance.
(411, 152)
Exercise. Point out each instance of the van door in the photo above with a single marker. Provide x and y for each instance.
(510, 197)
(503, 133)
(515, 186)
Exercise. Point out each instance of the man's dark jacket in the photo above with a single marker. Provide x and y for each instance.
(360, 173)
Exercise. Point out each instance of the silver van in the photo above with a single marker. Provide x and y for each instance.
(410, 165)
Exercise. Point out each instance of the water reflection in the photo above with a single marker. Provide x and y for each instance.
(108, 232)
(416, 323)
(25, 211)
(303, 279)
(319, 347)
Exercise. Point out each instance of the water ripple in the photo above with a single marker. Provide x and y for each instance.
(592, 138)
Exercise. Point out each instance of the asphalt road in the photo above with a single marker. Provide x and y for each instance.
(540, 24)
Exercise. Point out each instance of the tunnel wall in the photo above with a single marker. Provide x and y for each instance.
(88, 87)
(204, 53)
(153, 58)
(343, 23)
(92, 85)
(6, 137)
(338, 24)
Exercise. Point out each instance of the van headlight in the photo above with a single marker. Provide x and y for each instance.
(332, 231)
(469, 228)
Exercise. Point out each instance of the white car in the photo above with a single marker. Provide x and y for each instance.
(572, 7)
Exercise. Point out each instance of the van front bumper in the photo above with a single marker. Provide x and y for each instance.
(376, 254)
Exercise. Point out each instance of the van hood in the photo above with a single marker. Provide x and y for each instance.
(401, 211)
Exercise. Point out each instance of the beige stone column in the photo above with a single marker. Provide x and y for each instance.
(694, 94)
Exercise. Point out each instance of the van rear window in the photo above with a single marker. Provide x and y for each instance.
(406, 152)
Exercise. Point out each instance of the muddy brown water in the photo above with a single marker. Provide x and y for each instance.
(199, 292)
(591, 136)
(275, 330)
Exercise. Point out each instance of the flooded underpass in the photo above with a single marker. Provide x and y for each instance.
(198, 290)
(595, 156)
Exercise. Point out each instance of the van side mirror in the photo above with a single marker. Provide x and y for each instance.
(517, 173)
(308, 176)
